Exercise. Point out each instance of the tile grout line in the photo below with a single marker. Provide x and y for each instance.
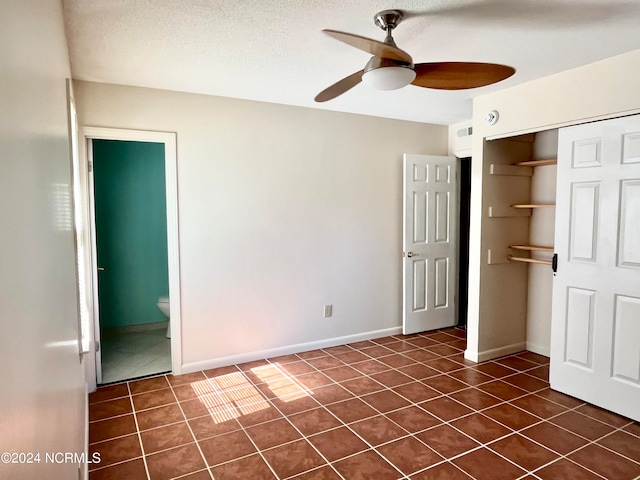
(383, 414)
(561, 456)
(135, 419)
(411, 403)
(348, 424)
(186, 421)
(286, 417)
(384, 387)
(535, 393)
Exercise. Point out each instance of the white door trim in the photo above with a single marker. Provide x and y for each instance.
(173, 251)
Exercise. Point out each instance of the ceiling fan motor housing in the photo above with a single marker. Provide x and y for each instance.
(387, 74)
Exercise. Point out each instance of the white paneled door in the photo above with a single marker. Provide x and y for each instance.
(430, 241)
(595, 332)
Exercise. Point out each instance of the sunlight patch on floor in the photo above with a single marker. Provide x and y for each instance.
(233, 395)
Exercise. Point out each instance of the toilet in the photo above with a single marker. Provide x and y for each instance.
(163, 305)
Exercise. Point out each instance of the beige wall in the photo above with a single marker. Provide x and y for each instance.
(42, 391)
(281, 211)
(541, 232)
(605, 89)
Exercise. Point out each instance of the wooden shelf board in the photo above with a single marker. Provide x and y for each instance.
(532, 248)
(535, 205)
(528, 260)
(537, 163)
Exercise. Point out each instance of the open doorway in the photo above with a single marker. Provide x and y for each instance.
(130, 229)
(128, 302)
(463, 257)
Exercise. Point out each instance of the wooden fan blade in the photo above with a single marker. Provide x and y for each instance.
(341, 86)
(459, 75)
(374, 47)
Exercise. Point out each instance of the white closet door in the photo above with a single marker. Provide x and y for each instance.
(595, 332)
(430, 242)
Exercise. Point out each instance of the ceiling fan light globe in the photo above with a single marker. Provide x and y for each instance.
(388, 78)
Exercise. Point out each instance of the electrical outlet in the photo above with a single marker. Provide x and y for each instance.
(328, 310)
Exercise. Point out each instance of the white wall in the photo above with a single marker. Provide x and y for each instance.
(42, 392)
(604, 89)
(460, 146)
(281, 211)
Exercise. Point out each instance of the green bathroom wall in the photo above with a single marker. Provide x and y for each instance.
(131, 231)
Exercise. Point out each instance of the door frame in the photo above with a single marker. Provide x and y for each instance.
(87, 135)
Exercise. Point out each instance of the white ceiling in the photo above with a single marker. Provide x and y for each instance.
(274, 51)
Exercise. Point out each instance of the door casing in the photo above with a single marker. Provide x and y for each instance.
(173, 253)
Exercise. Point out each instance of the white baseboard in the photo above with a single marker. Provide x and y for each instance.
(495, 352)
(539, 349)
(287, 350)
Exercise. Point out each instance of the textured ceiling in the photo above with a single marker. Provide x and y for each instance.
(274, 51)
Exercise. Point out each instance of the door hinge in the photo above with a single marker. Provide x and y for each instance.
(554, 263)
(90, 166)
(97, 346)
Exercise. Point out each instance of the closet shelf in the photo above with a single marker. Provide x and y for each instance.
(535, 205)
(510, 170)
(528, 260)
(537, 163)
(532, 248)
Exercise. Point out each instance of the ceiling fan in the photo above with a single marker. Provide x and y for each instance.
(391, 68)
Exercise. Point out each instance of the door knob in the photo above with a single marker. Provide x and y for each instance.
(411, 254)
(101, 269)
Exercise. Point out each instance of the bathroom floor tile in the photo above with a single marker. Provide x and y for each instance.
(128, 353)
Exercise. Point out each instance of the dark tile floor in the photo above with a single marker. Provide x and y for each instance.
(400, 407)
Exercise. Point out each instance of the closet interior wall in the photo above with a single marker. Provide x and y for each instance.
(541, 232)
(518, 232)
